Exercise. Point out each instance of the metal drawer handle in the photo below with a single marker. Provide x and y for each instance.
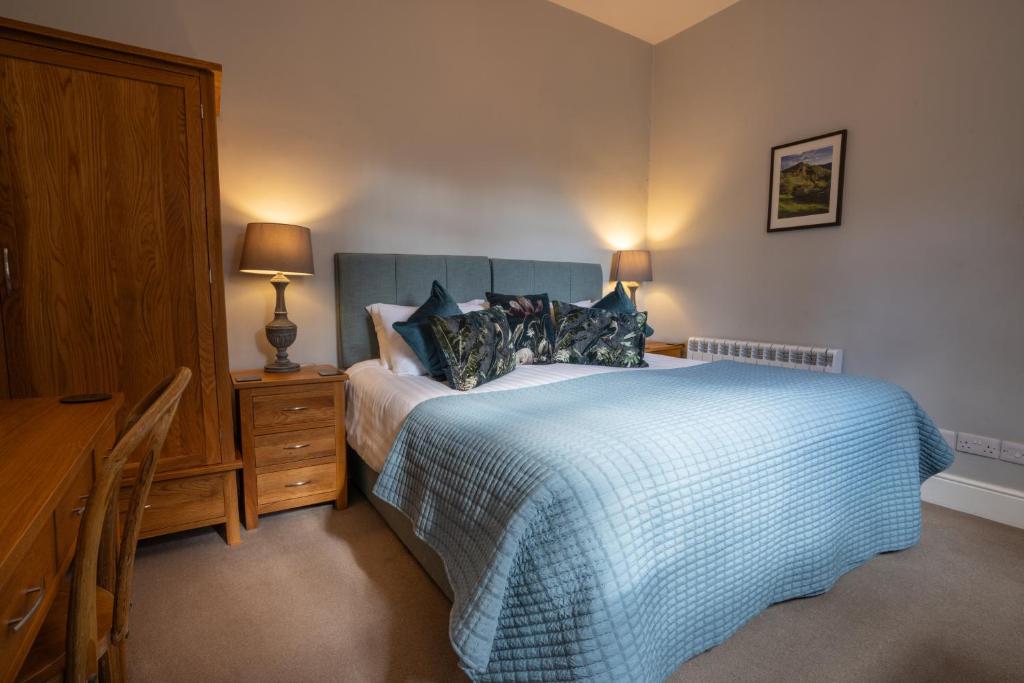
(294, 409)
(146, 506)
(17, 624)
(296, 446)
(299, 483)
(77, 512)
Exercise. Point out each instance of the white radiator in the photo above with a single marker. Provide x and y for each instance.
(816, 359)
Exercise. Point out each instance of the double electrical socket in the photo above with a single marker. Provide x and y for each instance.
(985, 446)
(1012, 452)
(978, 445)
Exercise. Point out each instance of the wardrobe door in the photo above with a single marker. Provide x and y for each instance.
(103, 223)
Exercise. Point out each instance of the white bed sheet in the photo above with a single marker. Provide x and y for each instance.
(377, 401)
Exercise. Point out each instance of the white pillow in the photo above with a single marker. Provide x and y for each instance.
(395, 354)
(474, 305)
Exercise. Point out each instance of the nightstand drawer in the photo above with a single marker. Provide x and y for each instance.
(313, 404)
(302, 444)
(296, 483)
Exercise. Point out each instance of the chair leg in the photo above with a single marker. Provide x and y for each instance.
(112, 666)
(123, 656)
(105, 676)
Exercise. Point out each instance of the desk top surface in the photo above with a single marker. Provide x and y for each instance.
(43, 444)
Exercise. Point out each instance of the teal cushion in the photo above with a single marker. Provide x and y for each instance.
(618, 301)
(417, 333)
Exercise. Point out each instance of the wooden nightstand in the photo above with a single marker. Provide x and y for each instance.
(292, 428)
(666, 348)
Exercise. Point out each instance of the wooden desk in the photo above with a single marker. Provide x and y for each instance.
(49, 453)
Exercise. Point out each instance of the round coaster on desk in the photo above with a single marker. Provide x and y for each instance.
(85, 398)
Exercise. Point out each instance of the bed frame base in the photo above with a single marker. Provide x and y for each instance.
(363, 476)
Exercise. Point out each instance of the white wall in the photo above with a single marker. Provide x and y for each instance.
(515, 129)
(521, 129)
(923, 284)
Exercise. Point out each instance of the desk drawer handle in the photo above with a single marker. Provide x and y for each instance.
(297, 446)
(78, 511)
(17, 624)
(294, 409)
(299, 483)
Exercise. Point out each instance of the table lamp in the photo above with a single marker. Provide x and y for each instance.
(278, 249)
(631, 268)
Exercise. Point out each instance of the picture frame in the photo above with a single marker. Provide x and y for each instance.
(806, 183)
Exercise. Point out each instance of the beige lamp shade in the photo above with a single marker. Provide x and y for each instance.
(631, 266)
(272, 248)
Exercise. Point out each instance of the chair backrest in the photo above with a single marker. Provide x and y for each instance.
(146, 427)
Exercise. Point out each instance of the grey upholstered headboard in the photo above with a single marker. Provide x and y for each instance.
(405, 279)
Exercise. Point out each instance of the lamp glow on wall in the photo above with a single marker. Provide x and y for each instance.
(280, 250)
(631, 268)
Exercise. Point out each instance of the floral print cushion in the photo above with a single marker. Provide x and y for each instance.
(617, 301)
(529, 320)
(476, 345)
(591, 336)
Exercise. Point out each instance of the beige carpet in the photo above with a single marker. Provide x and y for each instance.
(321, 595)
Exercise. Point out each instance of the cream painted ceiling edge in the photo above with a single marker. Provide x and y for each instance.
(649, 20)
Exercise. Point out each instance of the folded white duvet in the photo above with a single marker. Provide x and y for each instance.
(378, 401)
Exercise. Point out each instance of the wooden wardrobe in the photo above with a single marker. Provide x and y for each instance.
(110, 256)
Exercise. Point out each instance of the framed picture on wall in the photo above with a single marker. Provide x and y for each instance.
(807, 183)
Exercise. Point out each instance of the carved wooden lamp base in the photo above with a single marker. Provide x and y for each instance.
(631, 287)
(281, 331)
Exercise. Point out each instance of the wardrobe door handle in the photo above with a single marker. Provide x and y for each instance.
(17, 624)
(299, 483)
(297, 446)
(8, 284)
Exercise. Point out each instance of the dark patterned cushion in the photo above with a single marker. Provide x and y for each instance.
(529, 319)
(592, 336)
(476, 345)
(617, 301)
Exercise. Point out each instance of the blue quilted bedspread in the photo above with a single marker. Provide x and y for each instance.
(611, 527)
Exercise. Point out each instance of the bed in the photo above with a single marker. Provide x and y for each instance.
(607, 525)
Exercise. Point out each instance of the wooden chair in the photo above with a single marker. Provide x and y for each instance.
(86, 627)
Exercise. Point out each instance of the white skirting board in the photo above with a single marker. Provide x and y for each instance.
(990, 501)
